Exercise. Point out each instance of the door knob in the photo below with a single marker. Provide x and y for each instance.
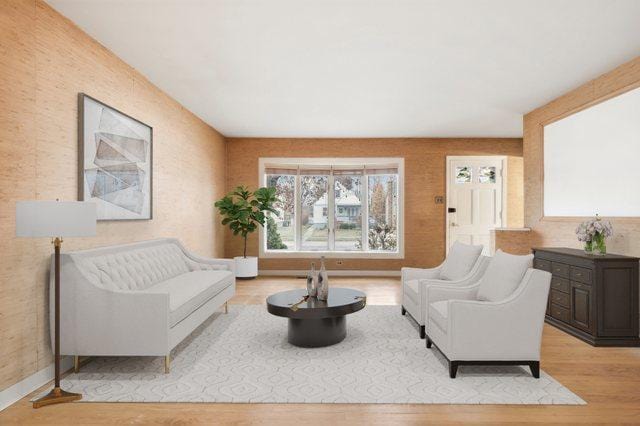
(454, 224)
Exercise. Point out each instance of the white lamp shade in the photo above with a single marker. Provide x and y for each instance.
(55, 219)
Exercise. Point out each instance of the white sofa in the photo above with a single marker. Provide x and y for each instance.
(138, 299)
(416, 280)
(508, 331)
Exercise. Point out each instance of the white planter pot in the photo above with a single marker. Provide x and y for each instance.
(246, 267)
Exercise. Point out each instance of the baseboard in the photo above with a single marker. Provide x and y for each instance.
(336, 273)
(24, 387)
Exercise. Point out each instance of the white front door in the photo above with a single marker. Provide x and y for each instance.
(475, 202)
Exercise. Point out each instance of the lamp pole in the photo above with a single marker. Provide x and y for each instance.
(56, 395)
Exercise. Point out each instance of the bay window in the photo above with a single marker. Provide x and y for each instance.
(336, 207)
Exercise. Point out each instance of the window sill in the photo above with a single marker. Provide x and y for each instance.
(331, 255)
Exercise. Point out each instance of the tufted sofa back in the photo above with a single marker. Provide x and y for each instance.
(134, 267)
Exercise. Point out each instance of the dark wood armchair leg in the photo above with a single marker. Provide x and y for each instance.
(453, 369)
(404, 311)
(429, 343)
(535, 369)
(422, 332)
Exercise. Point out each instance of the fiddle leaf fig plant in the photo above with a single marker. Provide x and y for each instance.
(243, 210)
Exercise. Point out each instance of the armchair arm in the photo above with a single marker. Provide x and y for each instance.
(507, 330)
(437, 293)
(419, 273)
(471, 278)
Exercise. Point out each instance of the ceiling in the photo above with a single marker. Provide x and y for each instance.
(364, 68)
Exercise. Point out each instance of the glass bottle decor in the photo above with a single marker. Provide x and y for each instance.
(323, 281)
(312, 281)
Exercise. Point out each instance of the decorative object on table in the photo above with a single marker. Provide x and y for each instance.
(594, 233)
(312, 281)
(323, 282)
(243, 210)
(55, 219)
(115, 153)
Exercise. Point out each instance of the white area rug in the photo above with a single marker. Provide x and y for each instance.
(244, 357)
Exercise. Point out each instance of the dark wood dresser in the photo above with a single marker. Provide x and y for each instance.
(594, 298)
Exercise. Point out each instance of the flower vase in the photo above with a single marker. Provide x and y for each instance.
(599, 245)
(588, 247)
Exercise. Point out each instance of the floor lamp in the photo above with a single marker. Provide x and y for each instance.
(56, 219)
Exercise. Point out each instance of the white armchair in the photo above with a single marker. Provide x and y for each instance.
(463, 266)
(468, 331)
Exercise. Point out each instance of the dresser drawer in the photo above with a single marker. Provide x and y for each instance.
(560, 299)
(560, 284)
(560, 313)
(542, 264)
(582, 275)
(560, 270)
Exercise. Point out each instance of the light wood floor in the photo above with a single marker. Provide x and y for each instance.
(607, 378)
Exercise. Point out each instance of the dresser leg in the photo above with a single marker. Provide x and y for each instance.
(226, 307)
(76, 364)
(167, 363)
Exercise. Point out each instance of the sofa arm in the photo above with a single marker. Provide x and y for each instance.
(205, 263)
(507, 330)
(97, 321)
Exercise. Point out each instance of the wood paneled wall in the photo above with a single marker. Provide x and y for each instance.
(560, 231)
(45, 61)
(425, 167)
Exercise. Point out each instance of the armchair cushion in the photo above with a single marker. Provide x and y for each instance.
(439, 312)
(504, 274)
(459, 261)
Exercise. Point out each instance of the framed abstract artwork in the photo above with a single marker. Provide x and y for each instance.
(115, 161)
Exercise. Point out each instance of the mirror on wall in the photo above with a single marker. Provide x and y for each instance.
(592, 160)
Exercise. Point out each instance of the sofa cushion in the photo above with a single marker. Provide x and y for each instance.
(459, 261)
(412, 290)
(503, 276)
(136, 269)
(187, 292)
(439, 312)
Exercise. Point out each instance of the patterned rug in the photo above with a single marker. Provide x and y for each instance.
(244, 357)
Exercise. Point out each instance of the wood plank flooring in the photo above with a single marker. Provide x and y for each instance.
(607, 378)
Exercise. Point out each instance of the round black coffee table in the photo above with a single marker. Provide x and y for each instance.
(312, 322)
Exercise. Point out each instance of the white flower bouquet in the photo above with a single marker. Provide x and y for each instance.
(594, 233)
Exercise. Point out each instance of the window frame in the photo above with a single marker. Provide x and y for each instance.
(264, 163)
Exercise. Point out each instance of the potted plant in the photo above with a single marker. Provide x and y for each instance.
(243, 210)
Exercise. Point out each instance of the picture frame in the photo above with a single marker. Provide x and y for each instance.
(115, 161)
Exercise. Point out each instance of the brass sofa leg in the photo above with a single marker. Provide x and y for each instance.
(76, 363)
(167, 364)
(226, 307)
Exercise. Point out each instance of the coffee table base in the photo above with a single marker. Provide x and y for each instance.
(317, 332)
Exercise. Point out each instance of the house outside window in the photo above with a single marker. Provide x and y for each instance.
(342, 207)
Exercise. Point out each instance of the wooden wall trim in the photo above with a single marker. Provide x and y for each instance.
(559, 230)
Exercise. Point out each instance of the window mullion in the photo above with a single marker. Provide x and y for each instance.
(331, 211)
(364, 208)
(298, 213)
